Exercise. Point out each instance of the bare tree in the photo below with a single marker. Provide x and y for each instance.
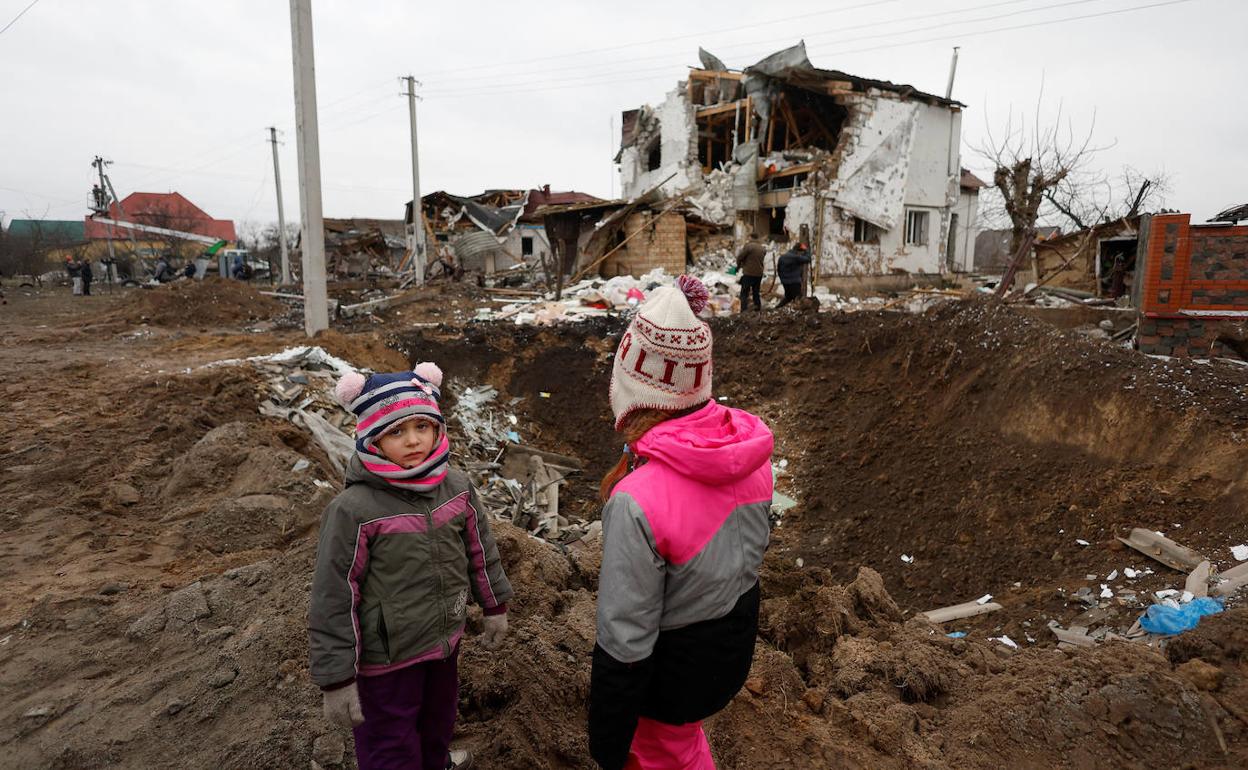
(1033, 164)
(1096, 201)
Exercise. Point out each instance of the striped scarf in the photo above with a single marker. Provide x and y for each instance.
(387, 400)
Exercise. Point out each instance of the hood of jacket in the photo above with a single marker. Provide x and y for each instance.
(714, 445)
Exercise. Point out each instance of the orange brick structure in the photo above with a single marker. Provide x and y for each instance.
(660, 243)
(1193, 289)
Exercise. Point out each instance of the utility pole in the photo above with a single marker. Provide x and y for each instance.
(417, 237)
(315, 296)
(103, 205)
(281, 211)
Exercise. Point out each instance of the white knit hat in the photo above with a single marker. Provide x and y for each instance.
(664, 358)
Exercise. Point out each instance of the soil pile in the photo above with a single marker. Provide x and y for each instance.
(157, 600)
(208, 303)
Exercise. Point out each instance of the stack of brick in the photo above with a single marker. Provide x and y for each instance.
(1194, 288)
(661, 243)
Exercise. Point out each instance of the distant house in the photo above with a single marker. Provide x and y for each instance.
(992, 248)
(495, 230)
(963, 225)
(60, 232)
(170, 225)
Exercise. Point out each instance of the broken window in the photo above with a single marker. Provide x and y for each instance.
(526, 245)
(916, 227)
(865, 232)
(654, 155)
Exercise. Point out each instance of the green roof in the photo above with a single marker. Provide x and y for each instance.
(53, 230)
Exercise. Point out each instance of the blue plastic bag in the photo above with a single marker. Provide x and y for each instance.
(1160, 619)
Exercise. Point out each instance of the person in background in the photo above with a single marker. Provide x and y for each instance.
(164, 273)
(750, 263)
(84, 270)
(188, 271)
(75, 275)
(789, 269)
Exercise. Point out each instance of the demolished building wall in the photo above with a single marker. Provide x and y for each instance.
(661, 147)
(867, 170)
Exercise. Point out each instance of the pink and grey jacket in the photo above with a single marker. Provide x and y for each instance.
(394, 571)
(683, 541)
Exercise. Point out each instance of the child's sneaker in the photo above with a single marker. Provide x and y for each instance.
(459, 759)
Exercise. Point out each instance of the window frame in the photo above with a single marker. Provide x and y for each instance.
(918, 222)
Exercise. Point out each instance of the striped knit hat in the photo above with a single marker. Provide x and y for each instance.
(664, 359)
(381, 401)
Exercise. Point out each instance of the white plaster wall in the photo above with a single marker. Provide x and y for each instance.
(871, 182)
(934, 168)
(679, 156)
(510, 252)
(967, 210)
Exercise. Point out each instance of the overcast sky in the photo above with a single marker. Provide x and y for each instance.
(178, 94)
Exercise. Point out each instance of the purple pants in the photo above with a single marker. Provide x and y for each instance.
(409, 716)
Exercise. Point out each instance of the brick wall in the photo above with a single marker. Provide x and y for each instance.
(660, 244)
(1189, 337)
(1195, 287)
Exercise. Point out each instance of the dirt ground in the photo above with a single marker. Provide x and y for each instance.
(157, 541)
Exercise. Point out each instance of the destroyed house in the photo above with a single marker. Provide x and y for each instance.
(865, 170)
(495, 231)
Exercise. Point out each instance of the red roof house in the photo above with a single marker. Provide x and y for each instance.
(170, 211)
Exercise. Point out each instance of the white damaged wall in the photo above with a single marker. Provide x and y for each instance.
(871, 181)
(678, 152)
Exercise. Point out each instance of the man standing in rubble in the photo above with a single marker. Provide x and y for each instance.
(750, 263)
(789, 269)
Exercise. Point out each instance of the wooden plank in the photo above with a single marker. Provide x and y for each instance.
(701, 74)
(719, 109)
(1163, 549)
(959, 611)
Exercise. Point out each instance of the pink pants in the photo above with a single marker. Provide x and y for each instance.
(659, 746)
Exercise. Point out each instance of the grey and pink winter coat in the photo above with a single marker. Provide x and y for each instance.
(678, 595)
(394, 571)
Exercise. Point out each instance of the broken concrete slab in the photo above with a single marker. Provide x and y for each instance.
(1198, 580)
(1231, 581)
(959, 611)
(1163, 549)
(1078, 638)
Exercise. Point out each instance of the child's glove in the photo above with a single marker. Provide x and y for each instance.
(342, 706)
(495, 630)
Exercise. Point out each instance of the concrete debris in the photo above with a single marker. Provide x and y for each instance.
(1240, 552)
(960, 611)
(1163, 549)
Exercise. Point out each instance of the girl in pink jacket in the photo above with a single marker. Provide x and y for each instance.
(683, 539)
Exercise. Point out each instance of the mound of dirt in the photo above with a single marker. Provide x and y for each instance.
(158, 599)
(212, 302)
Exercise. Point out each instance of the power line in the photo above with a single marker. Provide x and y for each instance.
(753, 44)
(20, 15)
(495, 86)
(701, 34)
(560, 85)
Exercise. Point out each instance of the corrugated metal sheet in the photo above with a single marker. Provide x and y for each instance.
(475, 244)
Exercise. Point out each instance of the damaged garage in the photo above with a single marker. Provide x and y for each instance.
(866, 171)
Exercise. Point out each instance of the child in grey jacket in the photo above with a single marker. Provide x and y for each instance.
(401, 549)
